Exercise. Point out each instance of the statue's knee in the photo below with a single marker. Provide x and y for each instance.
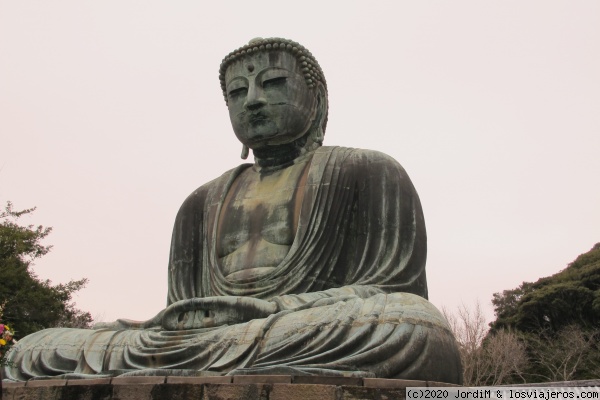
(416, 310)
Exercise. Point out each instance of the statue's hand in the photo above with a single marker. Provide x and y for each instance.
(327, 301)
(128, 324)
(210, 312)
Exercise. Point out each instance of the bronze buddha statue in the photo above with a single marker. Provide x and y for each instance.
(311, 260)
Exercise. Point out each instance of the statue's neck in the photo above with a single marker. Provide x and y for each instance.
(271, 158)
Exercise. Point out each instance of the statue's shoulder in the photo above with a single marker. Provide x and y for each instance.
(361, 160)
(196, 200)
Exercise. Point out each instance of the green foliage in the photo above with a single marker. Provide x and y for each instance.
(569, 297)
(557, 318)
(32, 304)
(506, 305)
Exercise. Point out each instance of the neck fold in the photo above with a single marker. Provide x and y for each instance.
(277, 157)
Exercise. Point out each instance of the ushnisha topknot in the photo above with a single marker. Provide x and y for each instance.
(310, 67)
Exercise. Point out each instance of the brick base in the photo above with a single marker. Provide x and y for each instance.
(258, 387)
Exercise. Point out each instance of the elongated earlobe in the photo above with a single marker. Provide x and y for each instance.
(245, 152)
(318, 133)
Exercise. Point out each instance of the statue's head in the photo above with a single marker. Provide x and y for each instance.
(276, 94)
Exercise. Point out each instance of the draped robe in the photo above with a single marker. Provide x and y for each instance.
(350, 294)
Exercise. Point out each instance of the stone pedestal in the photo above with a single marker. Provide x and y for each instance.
(248, 387)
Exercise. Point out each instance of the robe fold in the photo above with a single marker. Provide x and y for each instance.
(360, 223)
(350, 294)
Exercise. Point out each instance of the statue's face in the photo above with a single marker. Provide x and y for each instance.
(269, 101)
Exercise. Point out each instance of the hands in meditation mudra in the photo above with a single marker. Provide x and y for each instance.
(309, 261)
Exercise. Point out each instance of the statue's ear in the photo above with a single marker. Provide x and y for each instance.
(321, 117)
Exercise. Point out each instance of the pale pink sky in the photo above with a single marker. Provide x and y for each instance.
(111, 114)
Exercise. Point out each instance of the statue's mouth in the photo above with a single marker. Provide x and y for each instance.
(257, 118)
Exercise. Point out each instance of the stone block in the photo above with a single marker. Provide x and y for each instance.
(46, 382)
(138, 380)
(235, 391)
(328, 380)
(198, 380)
(441, 384)
(12, 385)
(392, 383)
(262, 379)
(304, 392)
(100, 391)
(8, 389)
(180, 391)
(139, 388)
(88, 382)
(371, 393)
(133, 392)
(38, 393)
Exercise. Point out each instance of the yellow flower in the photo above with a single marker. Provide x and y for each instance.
(2, 342)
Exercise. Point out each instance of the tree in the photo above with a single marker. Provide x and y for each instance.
(557, 319)
(32, 304)
(507, 357)
(571, 296)
(569, 354)
(544, 331)
(487, 359)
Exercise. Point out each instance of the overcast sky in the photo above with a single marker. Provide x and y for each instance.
(111, 114)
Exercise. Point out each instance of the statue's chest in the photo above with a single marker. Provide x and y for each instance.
(260, 211)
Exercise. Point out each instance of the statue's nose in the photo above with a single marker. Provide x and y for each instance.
(255, 99)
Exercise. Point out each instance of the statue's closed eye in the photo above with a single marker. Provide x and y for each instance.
(274, 82)
(238, 91)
